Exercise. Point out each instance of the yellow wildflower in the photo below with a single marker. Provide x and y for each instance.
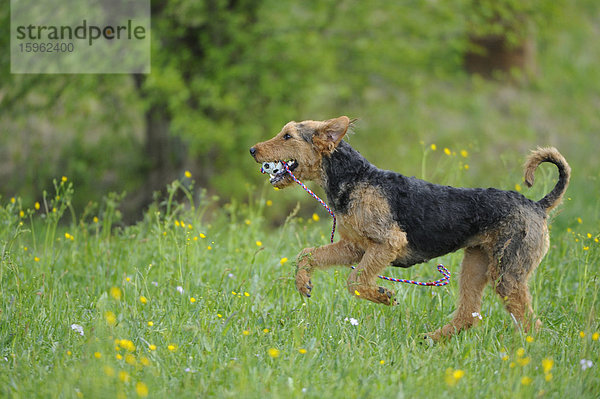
(283, 260)
(259, 243)
(111, 318)
(188, 174)
(547, 364)
(433, 147)
(97, 355)
(464, 153)
(315, 217)
(302, 351)
(526, 380)
(274, 352)
(36, 206)
(141, 389)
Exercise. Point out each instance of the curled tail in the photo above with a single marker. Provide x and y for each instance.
(549, 154)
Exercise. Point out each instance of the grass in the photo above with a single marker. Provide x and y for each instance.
(196, 301)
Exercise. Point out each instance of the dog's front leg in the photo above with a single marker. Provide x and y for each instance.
(342, 253)
(361, 281)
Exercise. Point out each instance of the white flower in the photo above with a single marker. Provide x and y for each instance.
(230, 275)
(180, 289)
(78, 328)
(476, 315)
(586, 364)
(352, 321)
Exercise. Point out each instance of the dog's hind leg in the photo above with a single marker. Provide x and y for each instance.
(473, 279)
(343, 253)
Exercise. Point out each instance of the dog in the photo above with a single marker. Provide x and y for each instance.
(386, 218)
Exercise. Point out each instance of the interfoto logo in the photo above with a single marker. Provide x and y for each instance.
(80, 36)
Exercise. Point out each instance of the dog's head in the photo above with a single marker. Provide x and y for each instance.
(302, 146)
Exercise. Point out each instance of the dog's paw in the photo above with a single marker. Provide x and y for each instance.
(387, 296)
(303, 283)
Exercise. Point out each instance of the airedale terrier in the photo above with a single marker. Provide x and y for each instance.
(386, 218)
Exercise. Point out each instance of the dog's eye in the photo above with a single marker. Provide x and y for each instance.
(287, 136)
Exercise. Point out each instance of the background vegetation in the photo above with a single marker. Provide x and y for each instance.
(189, 293)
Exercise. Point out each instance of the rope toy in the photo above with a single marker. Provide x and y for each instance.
(276, 169)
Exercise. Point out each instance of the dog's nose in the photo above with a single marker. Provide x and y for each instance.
(253, 151)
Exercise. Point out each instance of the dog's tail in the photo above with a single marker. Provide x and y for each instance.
(549, 154)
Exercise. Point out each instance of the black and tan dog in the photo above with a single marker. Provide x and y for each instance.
(386, 218)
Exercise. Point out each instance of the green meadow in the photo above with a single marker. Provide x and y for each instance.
(198, 300)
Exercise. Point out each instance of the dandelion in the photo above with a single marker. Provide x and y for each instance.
(259, 243)
(141, 389)
(109, 371)
(453, 376)
(248, 222)
(547, 364)
(464, 153)
(36, 259)
(579, 221)
(382, 362)
(36, 206)
(518, 187)
(188, 174)
(526, 381)
(145, 361)
(13, 200)
(177, 223)
(582, 334)
(202, 235)
(69, 353)
(595, 336)
(219, 315)
(233, 293)
(356, 293)
(504, 356)
(110, 317)
(246, 294)
(115, 292)
(152, 347)
(209, 247)
(529, 339)
(466, 166)
(273, 352)
(124, 376)
(150, 323)
(266, 330)
(524, 361)
(315, 217)
(119, 356)
(192, 300)
(95, 219)
(283, 261)
(130, 359)
(302, 351)
(64, 179)
(269, 203)
(143, 299)
(246, 332)
(585, 364)
(520, 352)
(433, 147)
(548, 376)
(77, 328)
(172, 347)
(97, 355)
(586, 248)
(447, 151)
(589, 235)
(21, 214)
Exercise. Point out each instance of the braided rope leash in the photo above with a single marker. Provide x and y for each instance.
(438, 283)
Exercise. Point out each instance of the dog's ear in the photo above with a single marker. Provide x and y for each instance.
(330, 133)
